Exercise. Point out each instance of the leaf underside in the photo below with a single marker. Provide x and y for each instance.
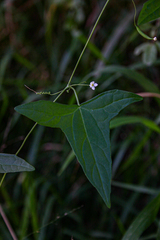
(11, 163)
(87, 130)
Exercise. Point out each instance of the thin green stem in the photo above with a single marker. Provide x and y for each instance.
(26, 138)
(95, 25)
(134, 13)
(52, 94)
(75, 93)
(44, 93)
(2, 179)
(79, 84)
(60, 93)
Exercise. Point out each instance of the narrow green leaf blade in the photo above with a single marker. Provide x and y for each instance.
(87, 130)
(144, 219)
(119, 121)
(149, 12)
(11, 163)
(146, 83)
(68, 160)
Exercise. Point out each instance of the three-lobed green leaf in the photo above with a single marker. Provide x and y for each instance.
(87, 130)
(149, 12)
(11, 163)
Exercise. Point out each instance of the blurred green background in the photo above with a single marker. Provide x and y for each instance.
(40, 42)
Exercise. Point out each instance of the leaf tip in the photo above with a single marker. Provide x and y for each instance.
(16, 108)
(109, 205)
(139, 97)
(31, 168)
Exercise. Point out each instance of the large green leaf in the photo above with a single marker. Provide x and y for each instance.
(144, 219)
(12, 163)
(87, 129)
(149, 12)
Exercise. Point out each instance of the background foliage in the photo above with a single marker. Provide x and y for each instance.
(39, 44)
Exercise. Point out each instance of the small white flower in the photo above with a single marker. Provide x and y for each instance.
(154, 39)
(93, 85)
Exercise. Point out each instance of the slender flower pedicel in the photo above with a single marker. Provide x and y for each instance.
(93, 85)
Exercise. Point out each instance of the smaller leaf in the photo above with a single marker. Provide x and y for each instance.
(138, 29)
(140, 49)
(143, 221)
(149, 55)
(12, 163)
(149, 12)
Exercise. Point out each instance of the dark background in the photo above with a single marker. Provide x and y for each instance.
(40, 42)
